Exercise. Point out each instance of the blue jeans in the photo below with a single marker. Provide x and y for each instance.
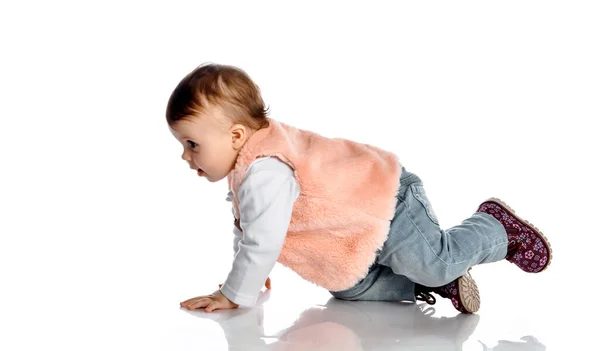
(418, 251)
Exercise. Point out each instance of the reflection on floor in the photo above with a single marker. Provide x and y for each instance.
(358, 325)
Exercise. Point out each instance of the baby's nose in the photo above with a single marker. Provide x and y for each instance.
(185, 157)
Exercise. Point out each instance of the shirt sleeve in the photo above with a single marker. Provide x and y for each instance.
(266, 199)
(237, 236)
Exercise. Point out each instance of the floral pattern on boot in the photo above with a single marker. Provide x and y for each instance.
(528, 248)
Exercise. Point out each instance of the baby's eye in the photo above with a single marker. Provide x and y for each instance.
(191, 144)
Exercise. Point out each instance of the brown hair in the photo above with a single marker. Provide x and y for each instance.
(226, 86)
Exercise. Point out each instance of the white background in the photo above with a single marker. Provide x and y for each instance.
(104, 229)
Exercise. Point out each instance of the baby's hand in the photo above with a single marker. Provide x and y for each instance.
(214, 301)
(267, 284)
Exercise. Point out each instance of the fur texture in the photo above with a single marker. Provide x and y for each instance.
(347, 199)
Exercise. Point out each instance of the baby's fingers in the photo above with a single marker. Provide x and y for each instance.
(188, 301)
(215, 305)
(196, 303)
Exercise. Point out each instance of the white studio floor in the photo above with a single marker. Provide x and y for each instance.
(519, 312)
(511, 318)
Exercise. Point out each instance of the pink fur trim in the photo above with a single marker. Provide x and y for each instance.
(347, 200)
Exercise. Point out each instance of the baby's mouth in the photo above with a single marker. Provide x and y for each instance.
(201, 172)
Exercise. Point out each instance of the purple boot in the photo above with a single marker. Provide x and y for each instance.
(463, 292)
(528, 248)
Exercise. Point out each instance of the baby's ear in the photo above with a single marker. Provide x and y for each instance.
(238, 134)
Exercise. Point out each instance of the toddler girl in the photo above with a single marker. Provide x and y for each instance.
(344, 215)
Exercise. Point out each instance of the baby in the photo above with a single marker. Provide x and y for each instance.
(343, 215)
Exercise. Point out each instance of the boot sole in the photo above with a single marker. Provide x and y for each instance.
(529, 225)
(469, 293)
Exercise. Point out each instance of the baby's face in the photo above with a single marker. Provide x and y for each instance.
(210, 143)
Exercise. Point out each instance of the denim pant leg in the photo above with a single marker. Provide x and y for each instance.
(426, 254)
(381, 283)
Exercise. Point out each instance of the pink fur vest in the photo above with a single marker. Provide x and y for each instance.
(347, 200)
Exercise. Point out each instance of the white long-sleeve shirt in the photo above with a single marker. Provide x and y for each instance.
(266, 198)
